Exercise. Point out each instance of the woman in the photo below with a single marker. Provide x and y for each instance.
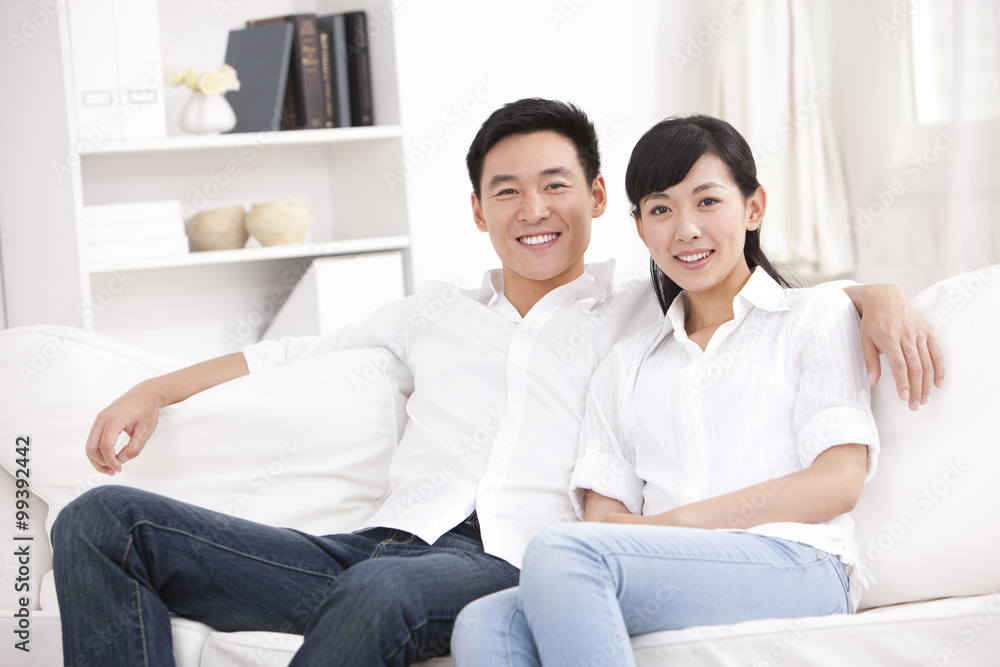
(722, 450)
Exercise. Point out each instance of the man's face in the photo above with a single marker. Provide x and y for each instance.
(537, 207)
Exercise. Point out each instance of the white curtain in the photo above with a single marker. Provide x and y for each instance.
(973, 187)
(918, 119)
(769, 88)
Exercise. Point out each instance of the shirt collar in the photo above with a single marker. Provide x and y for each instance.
(600, 276)
(760, 291)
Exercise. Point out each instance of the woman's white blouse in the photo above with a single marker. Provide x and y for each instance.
(668, 424)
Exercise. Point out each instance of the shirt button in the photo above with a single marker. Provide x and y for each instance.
(500, 455)
(517, 362)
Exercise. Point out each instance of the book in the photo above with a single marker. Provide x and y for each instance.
(333, 25)
(359, 69)
(261, 56)
(133, 229)
(305, 78)
(104, 251)
(129, 211)
(327, 70)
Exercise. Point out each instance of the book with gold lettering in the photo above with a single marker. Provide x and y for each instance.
(305, 102)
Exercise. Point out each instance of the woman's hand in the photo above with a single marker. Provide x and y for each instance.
(675, 517)
(890, 325)
(136, 412)
(608, 510)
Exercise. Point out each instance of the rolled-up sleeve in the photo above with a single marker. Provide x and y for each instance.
(833, 402)
(605, 463)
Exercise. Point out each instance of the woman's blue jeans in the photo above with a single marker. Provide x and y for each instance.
(125, 559)
(585, 591)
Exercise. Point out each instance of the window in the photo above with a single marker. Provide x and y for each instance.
(955, 60)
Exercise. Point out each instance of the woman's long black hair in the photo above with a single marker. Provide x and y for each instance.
(663, 157)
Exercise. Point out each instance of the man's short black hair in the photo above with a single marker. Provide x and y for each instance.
(535, 115)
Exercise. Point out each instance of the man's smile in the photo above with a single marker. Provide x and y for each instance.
(537, 239)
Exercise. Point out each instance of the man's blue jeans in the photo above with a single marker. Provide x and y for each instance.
(125, 559)
(585, 591)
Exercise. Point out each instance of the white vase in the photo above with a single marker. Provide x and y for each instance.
(207, 114)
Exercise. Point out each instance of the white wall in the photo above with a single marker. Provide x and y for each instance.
(3, 312)
(460, 60)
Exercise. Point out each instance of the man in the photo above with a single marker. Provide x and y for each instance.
(500, 377)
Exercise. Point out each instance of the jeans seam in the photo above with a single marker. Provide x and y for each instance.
(507, 634)
(223, 547)
(737, 561)
(142, 624)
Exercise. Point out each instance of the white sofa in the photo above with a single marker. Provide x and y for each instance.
(307, 446)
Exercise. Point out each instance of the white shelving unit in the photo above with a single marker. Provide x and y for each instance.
(256, 254)
(195, 305)
(201, 143)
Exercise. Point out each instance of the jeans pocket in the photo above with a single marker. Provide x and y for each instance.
(845, 581)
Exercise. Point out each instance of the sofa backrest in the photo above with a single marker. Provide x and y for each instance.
(927, 523)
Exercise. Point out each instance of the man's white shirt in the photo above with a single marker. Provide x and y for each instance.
(498, 400)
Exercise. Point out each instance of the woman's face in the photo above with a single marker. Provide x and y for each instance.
(695, 230)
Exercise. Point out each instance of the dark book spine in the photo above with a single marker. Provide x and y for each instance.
(341, 79)
(327, 69)
(333, 27)
(290, 107)
(305, 101)
(359, 69)
(311, 99)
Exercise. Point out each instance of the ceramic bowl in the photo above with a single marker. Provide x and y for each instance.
(219, 229)
(279, 222)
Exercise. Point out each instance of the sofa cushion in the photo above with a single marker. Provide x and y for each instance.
(306, 445)
(957, 632)
(264, 649)
(927, 524)
(51, 378)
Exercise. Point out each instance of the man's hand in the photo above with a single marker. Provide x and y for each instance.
(136, 412)
(890, 325)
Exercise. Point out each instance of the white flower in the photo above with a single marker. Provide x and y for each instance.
(191, 78)
(210, 82)
(174, 76)
(229, 78)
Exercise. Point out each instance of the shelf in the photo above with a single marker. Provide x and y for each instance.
(214, 257)
(216, 141)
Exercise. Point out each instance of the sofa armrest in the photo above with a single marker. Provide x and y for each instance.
(927, 525)
(306, 445)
